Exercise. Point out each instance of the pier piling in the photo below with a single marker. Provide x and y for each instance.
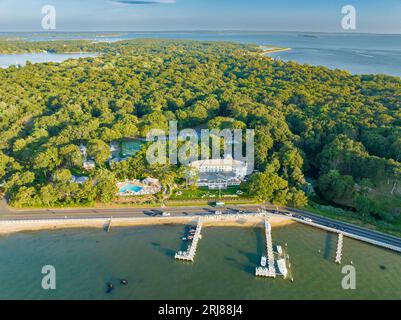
(108, 229)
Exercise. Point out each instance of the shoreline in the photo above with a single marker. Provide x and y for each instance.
(267, 50)
(9, 227)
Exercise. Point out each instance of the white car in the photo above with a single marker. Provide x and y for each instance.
(218, 213)
(308, 220)
(166, 214)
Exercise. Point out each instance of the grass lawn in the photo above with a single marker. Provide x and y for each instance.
(384, 201)
(393, 228)
(195, 203)
(206, 194)
(79, 172)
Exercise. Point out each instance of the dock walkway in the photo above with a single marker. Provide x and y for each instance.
(189, 255)
(339, 252)
(270, 271)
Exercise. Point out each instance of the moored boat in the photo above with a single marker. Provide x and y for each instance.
(263, 261)
(282, 267)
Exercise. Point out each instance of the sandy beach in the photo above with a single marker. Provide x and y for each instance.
(268, 50)
(9, 227)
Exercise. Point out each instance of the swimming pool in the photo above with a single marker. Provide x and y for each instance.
(130, 148)
(128, 188)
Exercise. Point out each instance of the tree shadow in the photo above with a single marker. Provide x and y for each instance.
(329, 245)
(260, 241)
(251, 257)
(168, 252)
(165, 251)
(248, 268)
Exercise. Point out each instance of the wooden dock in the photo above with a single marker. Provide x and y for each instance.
(339, 251)
(270, 270)
(189, 255)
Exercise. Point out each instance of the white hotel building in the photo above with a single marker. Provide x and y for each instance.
(220, 173)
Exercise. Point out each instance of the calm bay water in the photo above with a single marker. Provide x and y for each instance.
(357, 53)
(7, 60)
(86, 260)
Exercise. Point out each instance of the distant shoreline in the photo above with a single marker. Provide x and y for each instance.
(267, 50)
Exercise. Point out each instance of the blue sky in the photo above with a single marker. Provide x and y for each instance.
(380, 16)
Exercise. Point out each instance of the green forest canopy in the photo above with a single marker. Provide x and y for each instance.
(342, 130)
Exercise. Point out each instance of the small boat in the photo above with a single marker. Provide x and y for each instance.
(110, 288)
(184, 238)
(282, 267)
(263, 261)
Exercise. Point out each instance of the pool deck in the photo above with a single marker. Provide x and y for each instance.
(136, 188)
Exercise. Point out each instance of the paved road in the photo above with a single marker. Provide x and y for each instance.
(6, 214)
(346, 227)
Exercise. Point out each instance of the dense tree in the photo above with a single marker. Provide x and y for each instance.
(99, 151)
(167, 175)
(333, 185)
(47, 160)
(297, 198)
(311, 120)
(364, 206)
(71, 156)
(105, 184)
(4, 163)
(268, 185)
